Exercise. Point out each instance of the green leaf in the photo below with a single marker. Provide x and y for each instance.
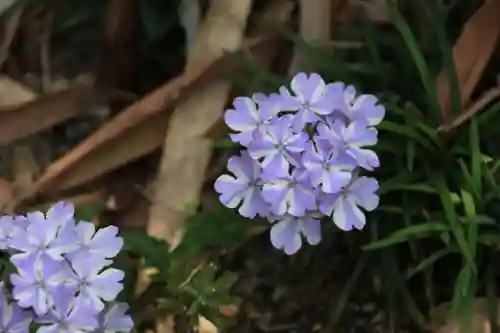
(393, 282)
(490, 239)
(340, 303)
(422, 188)
(206, 292)
(407, 131)
(429, 261)
(470, 211)
(451, 216)
(478, 219)
(395, 183)
(468, 202)
(418, 58)
(89, 212)
(423, 230)
(155, 252)
(427, 227)
(221, 227)
(469, 180)
(461, 304)
(224, 144)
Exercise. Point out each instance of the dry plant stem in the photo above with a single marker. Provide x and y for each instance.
(45, 111)
(81, 199)
(471, 54)
(192, 275)
(314, 24)
(10, 29)
(14, 94)
(186, 152)
(483, 101)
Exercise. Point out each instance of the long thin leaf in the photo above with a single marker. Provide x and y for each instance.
(418, 58)
(344, 296)
(430, 260)
(422, 230)
(451, 216)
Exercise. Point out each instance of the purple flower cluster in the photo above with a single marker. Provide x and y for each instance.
(63, 282)
(303, 152)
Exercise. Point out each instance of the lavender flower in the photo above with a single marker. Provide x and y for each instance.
(95, 283)
(243, 187)
(305, 148)
(347, 215)
(62, 279)
(289, 194)
(328, 168)
(248, 118)
(365, 108)
(9, 227)
(35, 282)
(13, 318)
(91, 244)
(352, 139)
(41, 236)
(308, 99)
(115, 319)
(287, 233)
(278, 146)
(66, 315)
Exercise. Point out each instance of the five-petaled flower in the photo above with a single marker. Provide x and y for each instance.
(62, 281)
(305, 148)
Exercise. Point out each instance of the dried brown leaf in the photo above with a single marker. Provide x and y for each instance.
(45, 112)
(206, 326)
(471, 54)
(13, 93)
(80, 199)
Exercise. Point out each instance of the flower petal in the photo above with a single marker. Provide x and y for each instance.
(311, 229)
(286, 235)
(347, 215)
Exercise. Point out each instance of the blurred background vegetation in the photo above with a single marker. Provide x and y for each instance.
(116, 106)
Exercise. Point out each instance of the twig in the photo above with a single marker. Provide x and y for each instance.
(485, 99)
(191, 275)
